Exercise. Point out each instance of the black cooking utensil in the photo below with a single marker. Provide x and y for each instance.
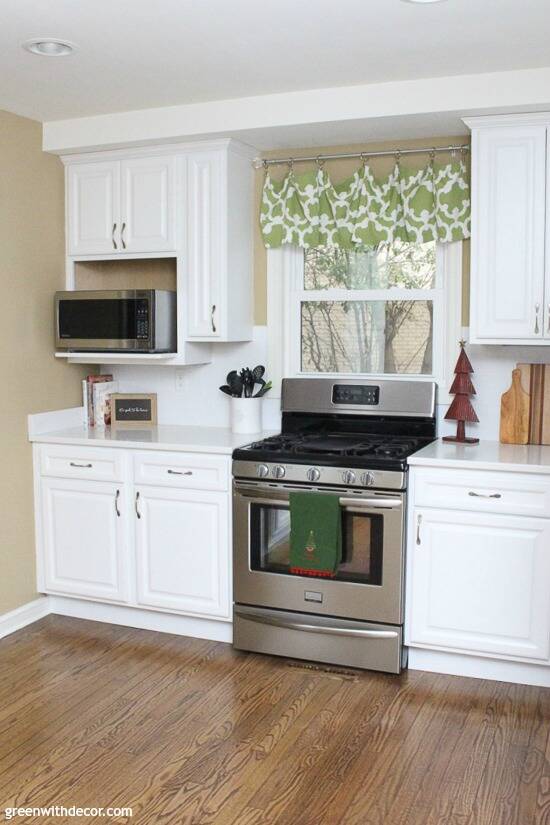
(235, 385)
(258, 373)
(226, 390)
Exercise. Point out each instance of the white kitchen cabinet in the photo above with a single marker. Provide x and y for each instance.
(510, 289)
(148, 204)
(122, 206)
(478, 584)
(193, 200)
(182, 547)
(84, 538)
(93, 208)
(147, 528)
(219, 245)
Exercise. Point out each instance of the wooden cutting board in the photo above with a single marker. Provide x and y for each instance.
(514, 413)
(535, 380)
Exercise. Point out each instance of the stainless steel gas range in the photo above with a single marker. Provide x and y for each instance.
(350, 438)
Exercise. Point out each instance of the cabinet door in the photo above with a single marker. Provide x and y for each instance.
(508, 233)
(547, 256)
(84, 538)
(480, 583)
(93, 222)
(205, 245)
(148, 205)
(183, 554)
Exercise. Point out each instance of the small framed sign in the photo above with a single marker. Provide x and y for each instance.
(133, 409)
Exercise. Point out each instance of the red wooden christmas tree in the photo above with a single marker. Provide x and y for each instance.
(461, 409)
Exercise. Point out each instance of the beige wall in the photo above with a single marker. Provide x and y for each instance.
(31, 269)
(340, 169)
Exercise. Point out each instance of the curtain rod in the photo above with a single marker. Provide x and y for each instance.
(265, 162)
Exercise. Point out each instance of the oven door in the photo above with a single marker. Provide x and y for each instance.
(369, 582)
(104, 320)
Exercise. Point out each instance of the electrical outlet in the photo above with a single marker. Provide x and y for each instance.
(181, 380)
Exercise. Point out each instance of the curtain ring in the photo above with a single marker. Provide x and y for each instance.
(320, 162)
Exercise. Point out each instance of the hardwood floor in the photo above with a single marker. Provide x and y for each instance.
(189, 731)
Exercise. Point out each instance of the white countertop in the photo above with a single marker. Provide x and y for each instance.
(487, 455)
(218, 440)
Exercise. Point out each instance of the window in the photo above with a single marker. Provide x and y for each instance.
(393, 311)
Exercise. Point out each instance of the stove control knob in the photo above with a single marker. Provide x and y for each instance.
(313, 474)
(348, 477)
(279, 471)
(262, 470)
(367, 479)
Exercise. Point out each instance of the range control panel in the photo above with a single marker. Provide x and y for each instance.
(364, 395)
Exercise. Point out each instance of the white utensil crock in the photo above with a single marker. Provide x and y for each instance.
(246, 415)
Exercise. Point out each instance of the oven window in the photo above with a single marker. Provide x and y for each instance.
(362, 543)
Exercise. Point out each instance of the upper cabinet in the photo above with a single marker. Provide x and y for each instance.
(121, 207)
(510, 272)
(192, 201)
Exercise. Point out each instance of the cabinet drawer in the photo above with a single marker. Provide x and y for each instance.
(520, 494)
(194, 471)
(82, 462)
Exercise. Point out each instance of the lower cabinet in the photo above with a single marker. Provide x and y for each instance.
(479, 582)
(161, 546)
(181, 550)
(84, 538)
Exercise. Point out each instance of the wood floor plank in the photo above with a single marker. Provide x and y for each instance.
(192, 732)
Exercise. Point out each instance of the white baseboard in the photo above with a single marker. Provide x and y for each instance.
(477, 667)
(143, 619)
(24, 615)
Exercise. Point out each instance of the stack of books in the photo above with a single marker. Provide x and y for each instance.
(96, 399)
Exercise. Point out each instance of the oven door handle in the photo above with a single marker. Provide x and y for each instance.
(314, 628)
(352, 505)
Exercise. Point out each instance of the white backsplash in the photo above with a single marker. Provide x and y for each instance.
(200, 402)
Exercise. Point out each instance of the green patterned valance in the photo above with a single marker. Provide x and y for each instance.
(308, 210)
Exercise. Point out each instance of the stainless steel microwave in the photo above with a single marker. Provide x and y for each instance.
(125, 320)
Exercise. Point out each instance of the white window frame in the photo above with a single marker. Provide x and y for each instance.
(285, 273)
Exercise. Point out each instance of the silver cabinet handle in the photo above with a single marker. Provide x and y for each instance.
(123, 242)
(484, 495)
(180, 472)
(212, 317)
(113, 237)
(138, 514)
(117, 497)
(313, 628)
(537, 308)
(418, 523)
(84, 466)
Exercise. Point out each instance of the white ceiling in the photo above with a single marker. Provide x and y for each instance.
(135, 54)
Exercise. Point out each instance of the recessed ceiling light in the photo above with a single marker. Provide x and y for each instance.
(49, 46)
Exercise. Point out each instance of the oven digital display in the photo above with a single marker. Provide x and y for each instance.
(355, 394)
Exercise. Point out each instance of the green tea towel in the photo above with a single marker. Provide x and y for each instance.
(315, 534)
